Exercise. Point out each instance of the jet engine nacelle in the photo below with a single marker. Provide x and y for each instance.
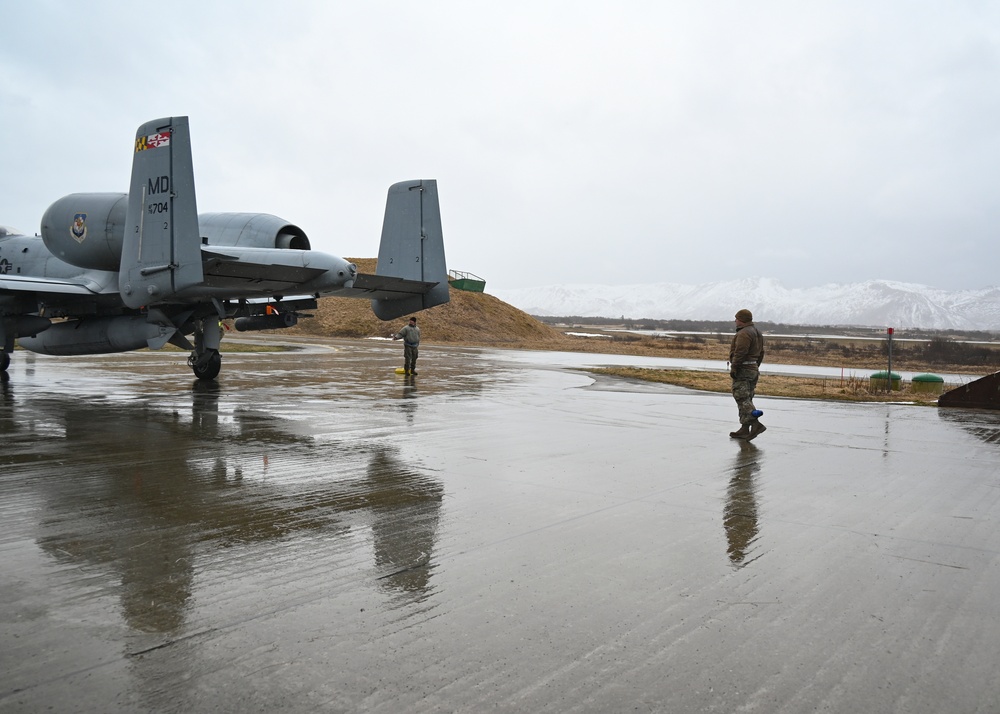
(251, 230)
(86, 229)
(93, 336)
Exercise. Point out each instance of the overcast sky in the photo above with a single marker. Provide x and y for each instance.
(573, 142)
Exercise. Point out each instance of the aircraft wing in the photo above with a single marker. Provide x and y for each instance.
(236, 269)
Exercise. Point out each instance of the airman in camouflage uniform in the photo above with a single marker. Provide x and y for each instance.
(410, 335)
(745, 355)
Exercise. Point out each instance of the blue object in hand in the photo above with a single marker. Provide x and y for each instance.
(756, 413)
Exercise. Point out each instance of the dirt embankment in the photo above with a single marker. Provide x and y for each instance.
(469, 318)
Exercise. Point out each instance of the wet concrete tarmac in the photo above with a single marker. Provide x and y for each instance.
(317, 533)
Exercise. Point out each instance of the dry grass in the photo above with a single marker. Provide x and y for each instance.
(850, 389)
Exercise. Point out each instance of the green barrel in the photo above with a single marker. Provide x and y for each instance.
(930, 383)
(880, 381)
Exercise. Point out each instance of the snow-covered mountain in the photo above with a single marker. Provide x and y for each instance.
(876, 303)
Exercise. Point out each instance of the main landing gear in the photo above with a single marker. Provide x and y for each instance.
(205, 361)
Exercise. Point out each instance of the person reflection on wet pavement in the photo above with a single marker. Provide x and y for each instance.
(740, 513)
(409, 405)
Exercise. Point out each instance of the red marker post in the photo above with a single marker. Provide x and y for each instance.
(889, 382)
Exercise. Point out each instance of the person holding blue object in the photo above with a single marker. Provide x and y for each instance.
(745, 355)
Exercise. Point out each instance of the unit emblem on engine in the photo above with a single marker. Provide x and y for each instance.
(79, 227)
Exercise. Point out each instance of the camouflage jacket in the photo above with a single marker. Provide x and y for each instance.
(748, 346)
(410, 335)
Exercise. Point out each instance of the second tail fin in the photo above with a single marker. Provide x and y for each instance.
(412, 247)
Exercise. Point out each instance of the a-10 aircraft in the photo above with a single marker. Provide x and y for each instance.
(113, 272)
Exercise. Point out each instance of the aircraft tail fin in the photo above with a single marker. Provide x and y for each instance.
(161, 255)
(412, 248)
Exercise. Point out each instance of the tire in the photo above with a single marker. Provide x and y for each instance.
(210, 368)
(4, 361)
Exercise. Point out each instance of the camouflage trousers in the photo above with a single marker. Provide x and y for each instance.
(410, 353)
(744, 385)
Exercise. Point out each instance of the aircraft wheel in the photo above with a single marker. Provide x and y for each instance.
(4, 361)
(210, 368)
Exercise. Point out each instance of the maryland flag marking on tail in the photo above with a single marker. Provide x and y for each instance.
(152, 141)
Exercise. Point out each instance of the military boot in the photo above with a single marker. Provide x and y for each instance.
(743, 433)
(756, 429)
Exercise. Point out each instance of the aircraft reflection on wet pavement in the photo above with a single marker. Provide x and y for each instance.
(154, 489)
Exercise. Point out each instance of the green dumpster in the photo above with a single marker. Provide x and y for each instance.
(466, 281)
